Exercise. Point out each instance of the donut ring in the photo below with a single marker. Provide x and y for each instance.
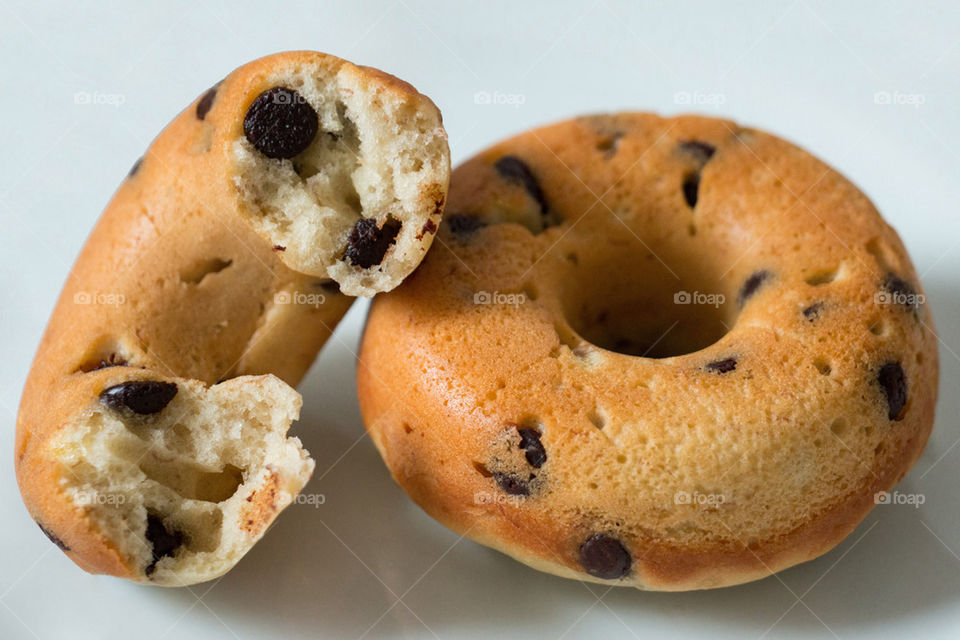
(665, 353)
(151, 433)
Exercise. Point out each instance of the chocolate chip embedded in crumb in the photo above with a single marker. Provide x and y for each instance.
(605, 557)
(516, 170)
(429, 228)
(54, 538)
(279, 247)
(142, 397)
(163, 541)
(204, 104)
(535, 454)
(368, 244)
(752, 285)
(280, 123)
(893, 382)
(722, 366)
(511, 483)
(812, 312)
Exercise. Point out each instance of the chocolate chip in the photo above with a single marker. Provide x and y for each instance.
(163, 541)
(204, 104)
(812, 312)
(463, 225)
(535, 454)
(605, 557)
(722, 366)
(511, 483)
(135, 168)
(54, 538)
(280, 123)
(328, 285)
(516, 170)
(894, 384)
(691, 189)
(368, 244)
(752, 284)
(901, 292)
(142, 397)
(701, 151)
(279, 247)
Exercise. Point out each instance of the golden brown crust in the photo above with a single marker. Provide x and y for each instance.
(171, 282)
(732, 455)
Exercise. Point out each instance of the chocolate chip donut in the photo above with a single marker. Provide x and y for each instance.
(665, 353)
(151, 435)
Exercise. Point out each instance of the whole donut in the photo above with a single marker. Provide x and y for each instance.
(151, 433)
(665, 353)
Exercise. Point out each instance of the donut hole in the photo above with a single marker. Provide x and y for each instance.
(639, 307)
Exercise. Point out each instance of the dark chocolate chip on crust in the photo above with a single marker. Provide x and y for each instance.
(280, 123)
(368, 243)
(204, 104)
(511, 483)
(142, 397)
(722, 366)
(135, 168)
(893, 382)
(163, 541)
(54, 538)
(462, 225)
(691, 189)
(603, 556)
(700, 151)
(812, 312)
(533, 449)
(516, 170)
(752, 285)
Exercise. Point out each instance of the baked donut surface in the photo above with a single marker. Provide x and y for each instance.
(151, 434)
(665, 353)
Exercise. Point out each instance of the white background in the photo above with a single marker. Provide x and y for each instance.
(368, 560)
